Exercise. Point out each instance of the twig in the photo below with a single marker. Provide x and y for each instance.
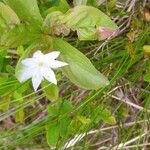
(139, 145)
(130, 103)
(132, 4)
(121, 145)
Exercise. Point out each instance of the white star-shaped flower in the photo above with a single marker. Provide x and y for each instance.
(40, 67)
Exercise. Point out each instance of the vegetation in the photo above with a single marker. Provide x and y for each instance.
(102, 97)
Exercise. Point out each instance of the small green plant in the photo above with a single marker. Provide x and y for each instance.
(27, 29)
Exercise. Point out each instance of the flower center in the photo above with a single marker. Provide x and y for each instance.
(40, 64)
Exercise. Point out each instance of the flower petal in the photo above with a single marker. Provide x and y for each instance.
(36, 80)
(49, 75)
(26, 74)
(57, 64)
(29, 62)
(52, 55)
(38, 55)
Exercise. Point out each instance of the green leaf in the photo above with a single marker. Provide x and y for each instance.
(64, 125)
(52, 134)
(62, 6)
(26, 10)
(102, 113)
(3, 25)
(65, 107)
(110, 120)
(83, 119)
(87, 34)
(8, 15)
(52, 24)
(87, 20)
(51, 90)
(80, 70)
(52, 111)
(92, 17)
(19, 35)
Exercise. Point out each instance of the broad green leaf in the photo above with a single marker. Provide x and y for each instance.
(64, 125)
(65, 107)
(80, 70)
(27, 10)
(87, 34)
(8, 15)
(2, 24)
(52, 111)
(51, 90)
(62, 6)
(19, 35)
(52, 24)
(52, 134)
(87, 20)
(52, 18)
(87, 16)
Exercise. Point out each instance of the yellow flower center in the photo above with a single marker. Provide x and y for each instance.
(40, 64)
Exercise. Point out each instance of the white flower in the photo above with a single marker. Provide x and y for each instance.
(40, 67)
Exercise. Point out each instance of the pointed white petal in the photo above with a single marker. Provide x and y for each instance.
(52, 55)
(49, 75)
(38, 55)
(26, 74)
(36, 80)
(57, 64)
(29, 62)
